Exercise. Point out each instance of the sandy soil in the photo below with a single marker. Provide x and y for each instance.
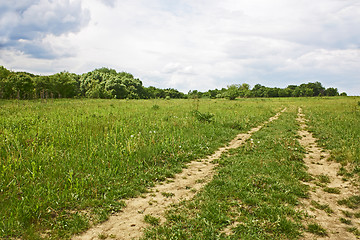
(316, 159)
(129, 223)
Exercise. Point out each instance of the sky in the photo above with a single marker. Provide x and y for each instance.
(188, 44)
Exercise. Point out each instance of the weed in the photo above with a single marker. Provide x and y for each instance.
(331, 190)
(155, 107)
(347, 213)
(354, 230)
(102, 236)
(324, 207)
(166, 194)
(154, 221)
(203, 117)
(316, 229)
(345, 221)
(352, 202)
(323, 178)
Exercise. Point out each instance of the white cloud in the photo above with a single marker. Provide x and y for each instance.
(25, 24)
(200, 44)
(331, 61)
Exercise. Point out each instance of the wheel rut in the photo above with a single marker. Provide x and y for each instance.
(129, 223)
(322, 206)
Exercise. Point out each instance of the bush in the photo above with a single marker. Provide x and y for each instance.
(203, 117)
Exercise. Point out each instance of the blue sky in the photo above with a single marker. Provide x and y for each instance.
(188, 44)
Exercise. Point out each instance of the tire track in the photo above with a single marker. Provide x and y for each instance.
(325, 174)
(129, 223)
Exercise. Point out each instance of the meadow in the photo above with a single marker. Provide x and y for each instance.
(67, 164)
(258, 187)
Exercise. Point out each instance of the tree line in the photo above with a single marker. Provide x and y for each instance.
(108, 83)
(99, 83)
(244, 91)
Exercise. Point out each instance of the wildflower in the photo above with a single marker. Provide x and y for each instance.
(180, 146)
(132, 136)
(258, 141)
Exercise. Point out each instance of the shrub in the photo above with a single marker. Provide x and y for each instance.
(203, 117)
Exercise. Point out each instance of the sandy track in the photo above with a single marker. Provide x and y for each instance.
(316, 159)
(129, 223)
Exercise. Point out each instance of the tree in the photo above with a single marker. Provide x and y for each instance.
(4, 91)
(331, 92)
(309, 92)
(64, 84)
(244, 90)
(285, 92)
(258, 91)
(271, 92)
(195, 94)
(232, 92)
(19, 85)
(43, 86)
(116, 88)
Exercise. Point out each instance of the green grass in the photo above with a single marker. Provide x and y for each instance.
(347, 214)
(331, 190)
(352, 202)
(323, 178)
(316, 229)
(324, 207)
(168, 195)
(335, 122)
(354, 230)
(66, 163)
(345, 221)
(152, 220)
(256, 190)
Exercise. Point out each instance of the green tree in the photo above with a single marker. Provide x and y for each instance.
(343, 94)
(4, 87)
(244, 90)
(116, 88)
(19, 85)
(258, 91)
(64, 84)
(331, 92)
(285, 92)
(309, 92)
(232, 92)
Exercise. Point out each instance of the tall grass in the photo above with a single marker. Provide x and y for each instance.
(336, 122)
(65, 164)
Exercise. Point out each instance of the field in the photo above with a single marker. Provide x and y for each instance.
(68, 164)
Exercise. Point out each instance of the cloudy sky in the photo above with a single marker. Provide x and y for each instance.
(188, 44)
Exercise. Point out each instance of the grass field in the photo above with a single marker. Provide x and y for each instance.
(256, 190)
(64, 157)
(68, 163)
(336, 121)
